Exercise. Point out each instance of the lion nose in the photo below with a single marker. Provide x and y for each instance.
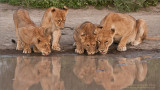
(101, 50)
(91, 53)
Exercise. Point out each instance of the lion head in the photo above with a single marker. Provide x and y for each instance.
(104, 38)
(42, 42)
(85, 68)
(59, 16)
(87, 37)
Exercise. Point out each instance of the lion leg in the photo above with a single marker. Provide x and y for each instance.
(19, 43)
(27, 48)
(79, 49)
(141, 32)
(122, 43)
(138, 39)
(35, 49)
(141, 70)
(56, 38)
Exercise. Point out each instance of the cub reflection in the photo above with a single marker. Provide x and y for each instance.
(53, 81)
(31, 71)
(118, 75)
(85, 68)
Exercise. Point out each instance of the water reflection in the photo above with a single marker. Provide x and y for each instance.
(112, 76)
(79, 73)
(30, 71)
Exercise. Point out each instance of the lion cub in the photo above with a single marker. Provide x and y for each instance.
(53, 20)
(85, 39)
(28, 33)
(121, 28)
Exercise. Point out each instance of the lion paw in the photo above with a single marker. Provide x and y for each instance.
(135, 43)
(19, 48)
(56, 47)
(28, 50)
(120, 48)
(35, 49)
(79, 51)
(19, 45)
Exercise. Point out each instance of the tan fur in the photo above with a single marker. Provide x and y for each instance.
(121, 28)
(115, 76)
(28, 72)
(122, 76)
(43, 70)
(53, 20)
(85, 39)
(29, 34)
(85, 68)
(53, 81)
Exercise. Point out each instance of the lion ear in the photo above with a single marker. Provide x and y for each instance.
(94, 33)
(100, 27)
(38, 41)
(83, 34)
(65, 8)
(46, 32)
(53, 10)
(113, 30)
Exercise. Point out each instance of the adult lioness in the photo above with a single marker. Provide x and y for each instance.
(53, 20)
(85, 39)
(122, 28)
(29, 34)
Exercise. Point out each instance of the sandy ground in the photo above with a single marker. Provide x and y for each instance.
(75, 17)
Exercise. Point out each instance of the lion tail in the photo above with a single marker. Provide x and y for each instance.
(152, 38)
(13, 41)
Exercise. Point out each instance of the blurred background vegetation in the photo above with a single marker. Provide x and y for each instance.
(121, 5)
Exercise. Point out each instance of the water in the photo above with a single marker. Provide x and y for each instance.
(78, 72)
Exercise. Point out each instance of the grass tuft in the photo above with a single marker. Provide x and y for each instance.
(121, 5)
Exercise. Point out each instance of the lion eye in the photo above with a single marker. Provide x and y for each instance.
(83, 34)
(59, 20)
(87, 45)
(94, 33)
(106, 41)
(39, 41)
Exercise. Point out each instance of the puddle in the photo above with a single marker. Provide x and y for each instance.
(72, 72)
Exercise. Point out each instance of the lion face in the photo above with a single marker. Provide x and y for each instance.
(88, 38)
(85, 68)
(59, 16)
(43, 44)
(104, 38)
(90, 45)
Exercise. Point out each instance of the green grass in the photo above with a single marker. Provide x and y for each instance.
(121, 5)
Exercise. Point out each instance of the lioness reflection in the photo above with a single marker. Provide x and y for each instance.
(31, 71)
(115, 76)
